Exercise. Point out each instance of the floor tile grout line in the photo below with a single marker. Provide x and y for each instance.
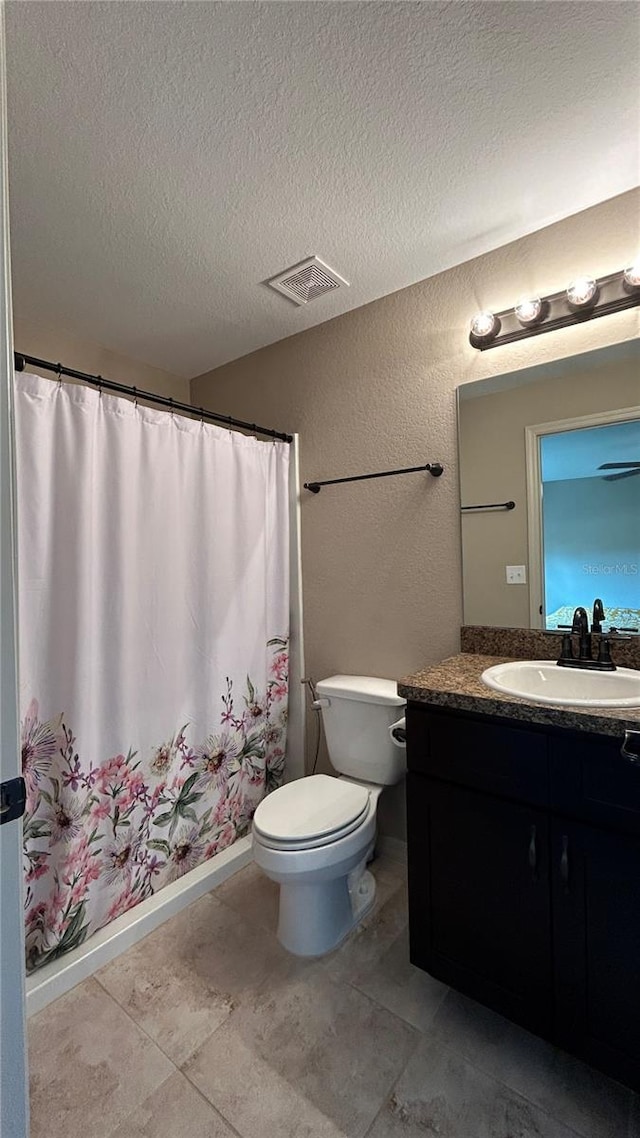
(214, 1108)
(418, 1033)
(176, 1069)
(283, 971)
(337, 982)
(392, 1088)
(341, 982)
(425, 1031)
(499, 1082)
(239, 1133)
(177, 1066)
(180, 1069)
(135, 1022)
(507, 1086)
(140, 1026)
(258, 990)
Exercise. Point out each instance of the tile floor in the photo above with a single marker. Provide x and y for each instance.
(208, 1029)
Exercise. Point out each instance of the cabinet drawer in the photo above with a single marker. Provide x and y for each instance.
(590, 780)
(494, 757)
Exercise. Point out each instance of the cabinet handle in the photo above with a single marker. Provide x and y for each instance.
(564, 862)
(630, 748)
(533, 852)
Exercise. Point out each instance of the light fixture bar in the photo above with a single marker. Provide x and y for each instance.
(613, 294)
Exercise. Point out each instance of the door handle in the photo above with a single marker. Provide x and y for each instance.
(630, 748)
(533, 852)
(564, 862)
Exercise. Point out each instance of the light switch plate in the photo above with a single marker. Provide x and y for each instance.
(516, 574)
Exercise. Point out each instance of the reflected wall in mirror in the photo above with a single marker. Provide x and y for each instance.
(562, 442)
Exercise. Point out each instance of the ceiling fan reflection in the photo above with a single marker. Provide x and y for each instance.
(627, 470)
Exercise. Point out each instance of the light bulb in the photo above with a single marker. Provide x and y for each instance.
(485, 326)
(631, 277)
(529, 311)
(582, 292)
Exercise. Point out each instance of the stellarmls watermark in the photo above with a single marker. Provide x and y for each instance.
(615, 568)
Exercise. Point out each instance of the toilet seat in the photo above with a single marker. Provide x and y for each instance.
(310, 812)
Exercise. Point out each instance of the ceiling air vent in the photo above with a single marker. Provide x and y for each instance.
(307, 281)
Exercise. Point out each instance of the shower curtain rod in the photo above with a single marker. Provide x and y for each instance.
(20, 359)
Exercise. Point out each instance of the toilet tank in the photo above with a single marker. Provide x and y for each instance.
(356, 719)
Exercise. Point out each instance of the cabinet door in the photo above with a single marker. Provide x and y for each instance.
(479, 898)
(596, 910)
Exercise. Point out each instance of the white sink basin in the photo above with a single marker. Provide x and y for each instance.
(542, 681)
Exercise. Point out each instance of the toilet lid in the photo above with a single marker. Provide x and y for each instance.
(311, 809)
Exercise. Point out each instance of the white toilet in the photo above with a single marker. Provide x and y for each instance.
(315, 836)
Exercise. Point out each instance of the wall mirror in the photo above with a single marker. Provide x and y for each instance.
(550, 492)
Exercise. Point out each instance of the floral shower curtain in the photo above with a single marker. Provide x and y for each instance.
(154, 613)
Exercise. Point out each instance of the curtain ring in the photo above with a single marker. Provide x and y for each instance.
(135, 396)
(99, 379)
(59, 375)
(171, 405)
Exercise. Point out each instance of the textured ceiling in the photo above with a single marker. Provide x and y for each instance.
(167, 158)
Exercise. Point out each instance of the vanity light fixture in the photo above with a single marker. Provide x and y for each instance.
(484, 328)
(582, 292)
(631, 277)
(529, 311)
(584, 299)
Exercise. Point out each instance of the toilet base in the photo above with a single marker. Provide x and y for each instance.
(315, 917)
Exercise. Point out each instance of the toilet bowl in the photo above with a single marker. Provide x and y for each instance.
(315, 836)
(324, 885)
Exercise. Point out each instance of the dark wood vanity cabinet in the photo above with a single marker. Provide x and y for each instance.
(524, 877)
(479, 903)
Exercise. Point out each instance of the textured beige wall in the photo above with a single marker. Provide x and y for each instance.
(493, 469)
(375, 389)
(84, 355)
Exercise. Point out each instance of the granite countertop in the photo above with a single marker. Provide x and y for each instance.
(455, 683)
